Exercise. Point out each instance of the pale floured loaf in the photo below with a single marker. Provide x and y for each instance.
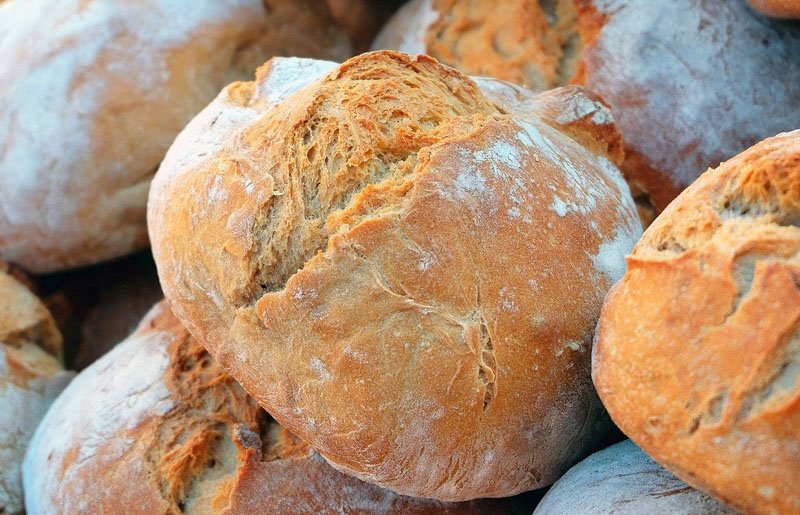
(31, 376)
(625, 481)
(685, 78)
(697, 356)
(403, 265)
(95, 91)
(157, 426)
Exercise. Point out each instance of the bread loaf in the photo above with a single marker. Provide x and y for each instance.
(625, 481)
(777, 8)
(402, 265)
(697, 354)
(157, 426)
(31, 376)
(685, 79)
(95, 91)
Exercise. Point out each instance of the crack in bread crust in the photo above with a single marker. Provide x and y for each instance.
(343, 223)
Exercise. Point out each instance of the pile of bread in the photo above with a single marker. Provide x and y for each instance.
(420, 257)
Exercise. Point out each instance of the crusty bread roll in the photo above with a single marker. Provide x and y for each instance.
(157, 426)
(685, 79)
(31, 376)
(625, 481)
(777, 8)
(402, 265)
(95, 91)
(697, 355)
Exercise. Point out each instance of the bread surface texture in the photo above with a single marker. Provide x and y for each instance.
(402, 265)
(157, 426)
(526, 42)
(31, 376)
(625, 481)
(95, 91)
(685, 79)
(697, 351)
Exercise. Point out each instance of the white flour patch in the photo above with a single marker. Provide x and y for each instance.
(288, 75)
(610, 258)
(320, 368)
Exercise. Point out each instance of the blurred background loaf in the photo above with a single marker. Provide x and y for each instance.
(31, 376)
(95, 91)
(622, 480)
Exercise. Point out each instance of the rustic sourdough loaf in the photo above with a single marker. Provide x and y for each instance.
(697, 355)
(95, 91)
(653, 62)
(157, 426)
(402, 265)
(625, 481)
(31, 376)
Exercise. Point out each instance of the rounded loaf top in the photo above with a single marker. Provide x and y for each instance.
(402, 265)
(697, 349)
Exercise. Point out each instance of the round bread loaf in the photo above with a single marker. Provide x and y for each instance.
(777, 8)
(697, 356)
(653, 62)
(95, 91)
(402, 265)
(31, 376)
(157, 426)
(625, 481)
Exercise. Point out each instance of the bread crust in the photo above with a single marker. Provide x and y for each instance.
(696, 354)
(526, 42)
(162, 428)
(777, 8)
(95, 91)
(623, 480)
(684, 78)
(390, 280)
(654, 62)
(31, 376)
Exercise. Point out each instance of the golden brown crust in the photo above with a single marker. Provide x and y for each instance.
(777, 8)
(183, 437)
(698, 348)
(526, 42)
(94, 93)
(350, 267)
(651, 61)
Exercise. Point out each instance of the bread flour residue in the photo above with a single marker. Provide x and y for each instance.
(288, 75)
